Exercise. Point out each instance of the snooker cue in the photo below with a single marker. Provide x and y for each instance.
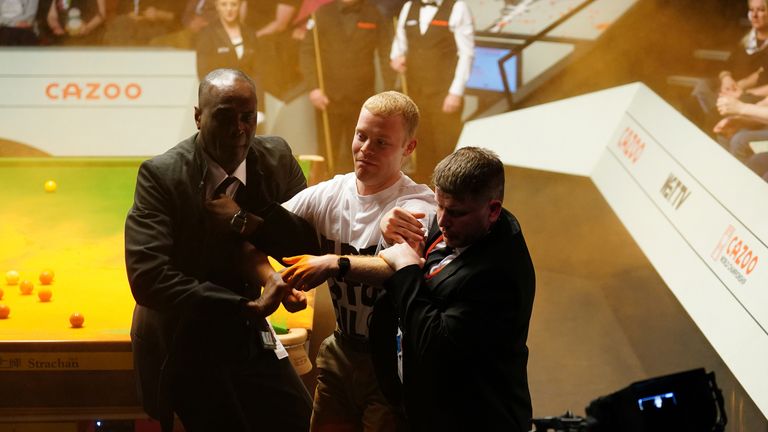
(324, 113)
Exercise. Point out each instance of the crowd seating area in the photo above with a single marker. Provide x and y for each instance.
(731, 102)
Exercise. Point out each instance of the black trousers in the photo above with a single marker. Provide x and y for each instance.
(257, 392)
(437, 134)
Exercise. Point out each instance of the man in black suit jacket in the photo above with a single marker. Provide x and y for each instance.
(202, 347)
(460, 310)
(463, 308)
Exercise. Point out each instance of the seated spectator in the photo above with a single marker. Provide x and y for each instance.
(742, 124)
(759, 164)
(17, 19)
(77, 22)
(139, 21)
(744, 77)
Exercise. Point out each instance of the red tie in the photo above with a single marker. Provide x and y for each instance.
(435, 256)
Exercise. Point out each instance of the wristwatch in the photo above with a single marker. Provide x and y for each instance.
(344, 266)
(238, 221)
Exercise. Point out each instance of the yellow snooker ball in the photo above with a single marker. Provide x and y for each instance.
(12, 277)
(50, 186)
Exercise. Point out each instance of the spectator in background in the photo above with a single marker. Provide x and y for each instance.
(390, 8)
(77, 22)
(224, 43)
(271, 20)
(17, 19)
(199, 13)
(744, 77)
(743, 124)
(138, 22)
(350, 33)
(300, 21)
(759, 164)
(434, 46)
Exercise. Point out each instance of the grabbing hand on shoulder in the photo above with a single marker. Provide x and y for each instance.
(402, 226)
(222, 208)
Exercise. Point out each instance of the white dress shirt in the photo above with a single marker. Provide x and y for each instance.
(216, 174)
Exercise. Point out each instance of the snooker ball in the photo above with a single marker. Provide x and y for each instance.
(46, 277)
(26, 287)
(76, 319)
(44, 294)
(4, 311)
(11, 277)
(50, 186)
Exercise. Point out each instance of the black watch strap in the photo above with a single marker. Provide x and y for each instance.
(344, 266)
(238, 221)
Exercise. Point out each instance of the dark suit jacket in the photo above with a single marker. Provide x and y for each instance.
(186, 278)
(464, 337)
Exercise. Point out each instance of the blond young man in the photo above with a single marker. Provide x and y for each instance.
(346, 212)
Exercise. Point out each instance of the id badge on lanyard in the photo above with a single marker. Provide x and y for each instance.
(399, 352)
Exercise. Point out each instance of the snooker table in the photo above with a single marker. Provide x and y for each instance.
(49, 370)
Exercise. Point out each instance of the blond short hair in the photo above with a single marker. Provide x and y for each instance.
(392, 103)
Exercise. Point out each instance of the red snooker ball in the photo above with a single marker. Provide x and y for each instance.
(4, 311)
(46, 277)
(76, 319)
(26, 287)
(44, 294)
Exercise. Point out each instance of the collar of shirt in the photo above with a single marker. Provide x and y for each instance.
(752, 44)
(216, 175)
(456, 251)
(445, 261)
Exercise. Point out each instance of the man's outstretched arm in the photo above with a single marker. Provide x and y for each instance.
(309, 271)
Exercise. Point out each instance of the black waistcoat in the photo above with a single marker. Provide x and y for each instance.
(431, 58)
